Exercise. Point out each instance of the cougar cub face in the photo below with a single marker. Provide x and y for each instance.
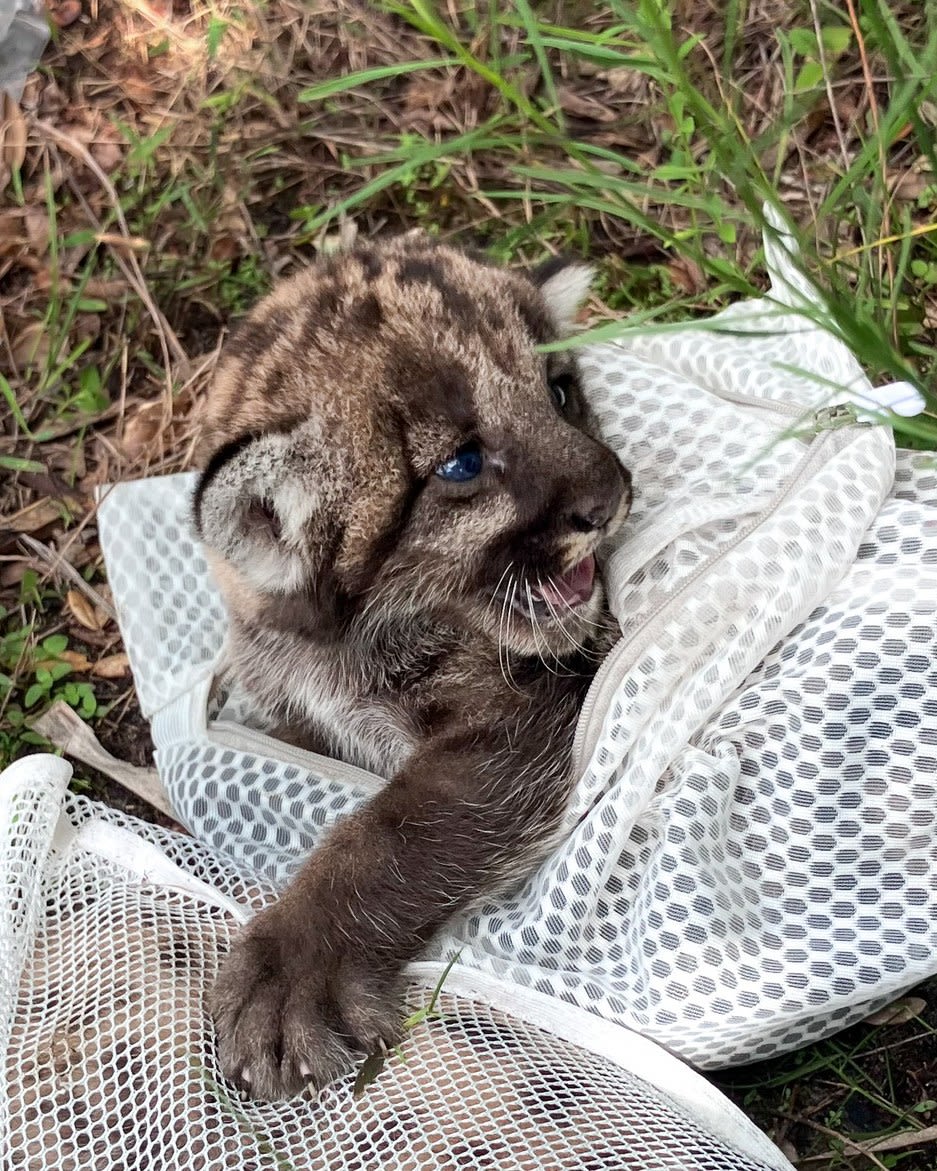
(384, 432)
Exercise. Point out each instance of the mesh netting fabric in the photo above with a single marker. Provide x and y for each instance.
(111, 931)
(749, 860)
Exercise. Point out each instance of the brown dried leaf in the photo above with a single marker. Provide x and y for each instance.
(231, 220)
(76, 660)
(111, 666)
(142, 430)
(106, 288)
(139, 91)
(37, 230)
(11, 572)
(107, 148)
(12, 138)
(633, 139)
(583, 106)
(631, 84)
(86, 327)
(85, 612)
(910, 184)
(898, 1013)
(687, 275)
(65, 12)
(31, 346)
(51, 99)
(13, 236)
(224, 248)
(33, 517)
(427, 91)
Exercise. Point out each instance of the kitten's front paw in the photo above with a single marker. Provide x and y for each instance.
(291, 1007)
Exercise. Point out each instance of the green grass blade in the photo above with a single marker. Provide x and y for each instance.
(532, 28)
(9, 394)
(415, 159)
(339, 85)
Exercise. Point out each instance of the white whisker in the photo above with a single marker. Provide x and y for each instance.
(535, 630)
(594, 656)
(556, 617)
(504, 652)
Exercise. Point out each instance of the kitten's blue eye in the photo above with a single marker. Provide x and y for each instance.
(466, 464)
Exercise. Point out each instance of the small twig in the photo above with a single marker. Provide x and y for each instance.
(866, 71)
(818, 31)
(58, 565)
(907, 1138)
(904, 1139)
(894, 1142)
(66, 730)
(858, 1148)
(898, 1044)
(167, 338)
(122, 398)
(119, 708)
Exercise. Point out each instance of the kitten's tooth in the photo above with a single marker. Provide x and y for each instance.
(304, 1070)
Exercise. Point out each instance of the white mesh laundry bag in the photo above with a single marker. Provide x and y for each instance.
(110, 930)
(750, 858)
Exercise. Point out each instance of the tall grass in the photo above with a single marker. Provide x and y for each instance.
(873, 259)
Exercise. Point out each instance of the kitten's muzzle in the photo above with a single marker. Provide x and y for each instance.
(604, 503)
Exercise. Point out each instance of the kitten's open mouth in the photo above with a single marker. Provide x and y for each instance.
(558, 595)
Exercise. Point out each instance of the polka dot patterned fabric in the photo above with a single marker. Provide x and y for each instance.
(750, 858)
(171, 615)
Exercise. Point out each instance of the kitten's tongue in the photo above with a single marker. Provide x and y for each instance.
(573, 588)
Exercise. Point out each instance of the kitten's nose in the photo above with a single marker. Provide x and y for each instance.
(587, 521)
(594, 509)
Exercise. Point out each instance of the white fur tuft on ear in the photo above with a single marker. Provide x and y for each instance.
(564, 286)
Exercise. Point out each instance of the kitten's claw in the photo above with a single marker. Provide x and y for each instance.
(290, 1015)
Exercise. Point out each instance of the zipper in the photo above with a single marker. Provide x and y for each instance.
(834, 417)
(228, 734)
(826, 429)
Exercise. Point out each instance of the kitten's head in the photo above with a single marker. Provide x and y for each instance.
(384, 435)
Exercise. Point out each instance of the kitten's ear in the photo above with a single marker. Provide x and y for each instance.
(564, 284)
(254, 505)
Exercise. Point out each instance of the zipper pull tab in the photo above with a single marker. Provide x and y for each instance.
(834, 417)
